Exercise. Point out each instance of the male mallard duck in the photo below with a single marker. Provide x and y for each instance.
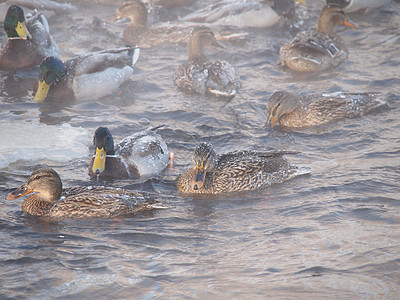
(49, 199)
(354, 5)
(310, 110)
(142, 154)
(235, 171)
(28, 41)
(312, 51)
(199, 74)
(90, 76)
(253, 13)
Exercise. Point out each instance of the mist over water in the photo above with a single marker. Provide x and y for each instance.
(334, 233)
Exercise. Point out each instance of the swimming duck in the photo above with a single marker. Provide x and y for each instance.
(355, 5)
(199, 74)
(141, 155)
(312, 51)
(90, 76)
(49, 199)
(245, 13)
(311, 110)
(235, 171)
(29, 40)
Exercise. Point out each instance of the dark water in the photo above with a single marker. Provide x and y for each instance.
(334, 234)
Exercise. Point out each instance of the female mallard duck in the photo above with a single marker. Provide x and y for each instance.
(199, 74)
(90, 76)
(311, 110)
(142, 154)
(312, 51)
(235, 171)
(49, 199)
(253, 13)
(355, 5)
(28, 41)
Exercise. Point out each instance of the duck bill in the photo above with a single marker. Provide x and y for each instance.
(273, 121)
(198, 179)
(22, 191)
(42, 91)
(22, 31)
(113, 18)
(99, 163)
(350, 23)
(302, 2)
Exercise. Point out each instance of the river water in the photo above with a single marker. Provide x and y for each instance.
(334, 233)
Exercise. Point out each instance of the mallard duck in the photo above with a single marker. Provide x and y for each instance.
(140, 155)
(312, 51)
(245, 13)
(310, 110)
(90, 76)
(235, 171)
(355, 5)
(29, 41)
(201, 75)
(49, 199)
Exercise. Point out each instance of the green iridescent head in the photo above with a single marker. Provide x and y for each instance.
(14, 23)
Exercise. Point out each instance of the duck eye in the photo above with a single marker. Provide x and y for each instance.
(37, 177)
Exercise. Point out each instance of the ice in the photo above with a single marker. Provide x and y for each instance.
(32, 141)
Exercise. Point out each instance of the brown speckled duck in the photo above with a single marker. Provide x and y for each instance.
(292, 111)
(47, 198)
(313, 51)
(199, 74)
(29, 40)
(235, 171)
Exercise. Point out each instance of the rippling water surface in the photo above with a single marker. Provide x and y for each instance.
(334, 233)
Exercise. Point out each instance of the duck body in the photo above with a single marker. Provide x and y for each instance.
(143, 154)
(355, 5)
(47, 198)
(85, 77)
(235, 171)
(31, 45)
(314, 51)
(254, 13)
(199, 74)
(318, 109)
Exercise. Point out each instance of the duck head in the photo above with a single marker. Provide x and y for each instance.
(205, 161)
(51, 71)
(104, 144)
(14, 24)
(45, 182)
(135, 11)
(279, 104)
(330, 17)
(201, 37)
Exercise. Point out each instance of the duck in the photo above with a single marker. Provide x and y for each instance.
(316, 109)
(314, 51)
(236, 171)
(349, 6)
(142, 154)
(48, 199)
(244, 13)
(28, 40)
(138, 32)
(199, 74)
(85, 77)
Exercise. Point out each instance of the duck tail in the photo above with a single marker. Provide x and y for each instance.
(135, 53)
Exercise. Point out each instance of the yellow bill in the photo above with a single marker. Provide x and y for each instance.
(99, 164)
(23, 31)
(198, 178)
(42, 91)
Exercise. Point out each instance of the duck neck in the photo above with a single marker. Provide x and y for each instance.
(196, 51)
(35, 206)
(325, 25)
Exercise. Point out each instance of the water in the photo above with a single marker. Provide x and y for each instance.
(332, 234)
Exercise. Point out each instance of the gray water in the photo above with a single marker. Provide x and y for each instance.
(334, 233)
